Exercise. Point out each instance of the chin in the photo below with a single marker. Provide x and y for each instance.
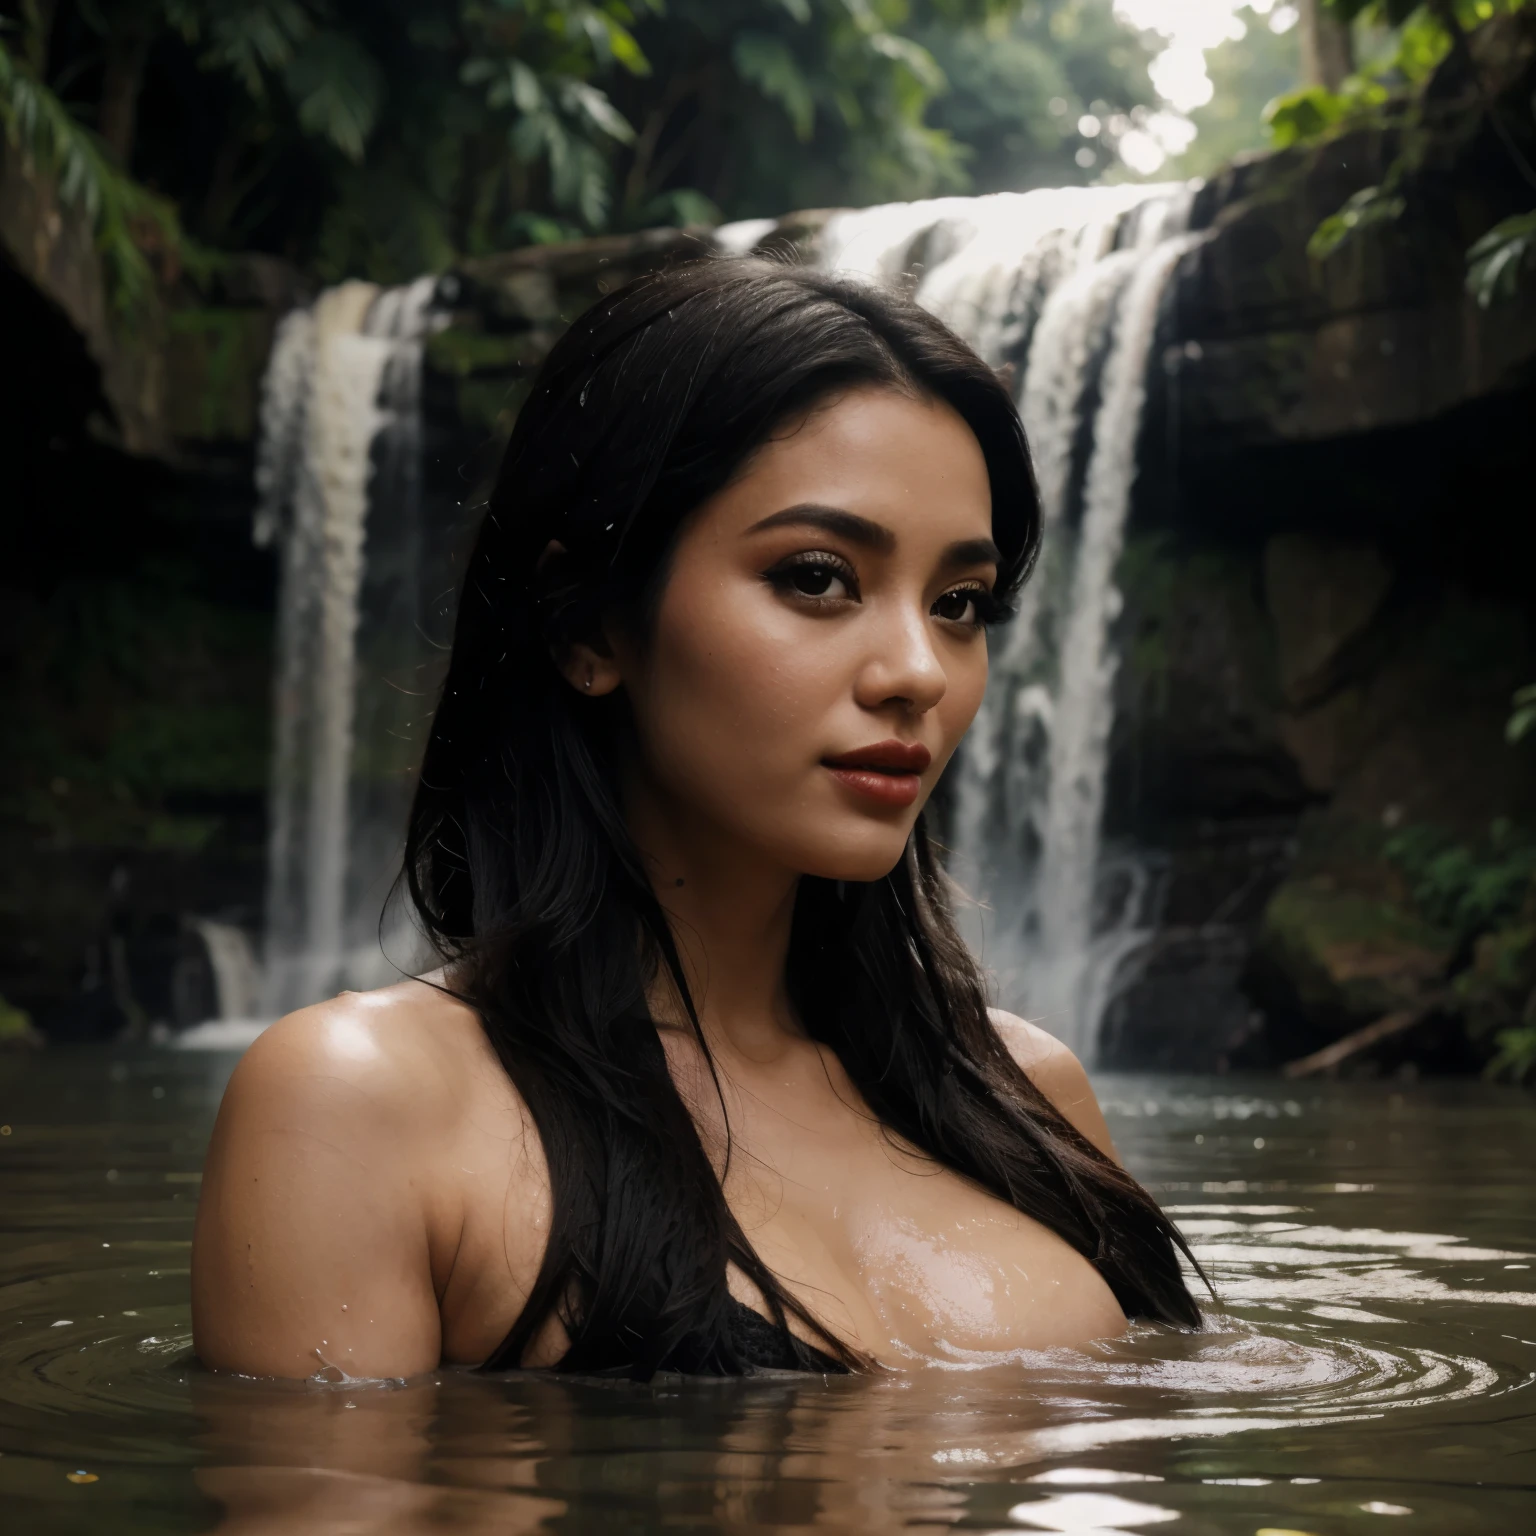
(869, 855)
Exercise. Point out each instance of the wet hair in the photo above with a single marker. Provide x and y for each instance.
(524, 874)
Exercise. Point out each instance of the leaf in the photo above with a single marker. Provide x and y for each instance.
(592, 105)
(508, 82)
(1516, 1058)
(679, 208)
(337, 89)
(1494, 265)
(246, 37)
(912, 57)
(1304, 115)
(625, 50)
(771, 67)
(1523, 721)
(1370, 205)
(119, 210)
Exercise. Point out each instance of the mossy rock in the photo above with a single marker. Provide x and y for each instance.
(491, 404)
(214, 362)
(464, 352)
(1496, 992)
(1349, 956)
(16, 1028)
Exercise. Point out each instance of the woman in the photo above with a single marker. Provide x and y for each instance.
(708, 1082)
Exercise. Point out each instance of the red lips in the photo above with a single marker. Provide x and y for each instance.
(887, 773)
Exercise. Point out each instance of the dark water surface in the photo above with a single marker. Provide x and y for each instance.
(1371, 1365)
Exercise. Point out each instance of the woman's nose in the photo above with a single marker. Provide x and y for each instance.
(902, 666)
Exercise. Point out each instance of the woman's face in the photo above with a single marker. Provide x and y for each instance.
(819, 649)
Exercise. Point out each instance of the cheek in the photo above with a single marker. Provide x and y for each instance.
(966, 683)
(730, 676)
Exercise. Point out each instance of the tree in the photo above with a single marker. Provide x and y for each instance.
(385, 137)
(1247, 72)
(1327, 46)
(1021, 82)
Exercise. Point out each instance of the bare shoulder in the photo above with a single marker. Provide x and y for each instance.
(330, 1210)
(1057, 1073)
(397, 1058)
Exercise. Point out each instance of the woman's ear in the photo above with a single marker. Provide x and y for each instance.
(589, 666)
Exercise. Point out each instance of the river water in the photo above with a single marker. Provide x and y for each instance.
(1370, 1365)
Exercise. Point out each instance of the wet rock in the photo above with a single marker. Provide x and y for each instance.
(1198, 724)
(1269, 344)
(1498, 990)
(1332, 957)
(1322, 595)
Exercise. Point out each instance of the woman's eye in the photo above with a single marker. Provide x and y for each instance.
(962, 606)
(821, 579)
(815, 580)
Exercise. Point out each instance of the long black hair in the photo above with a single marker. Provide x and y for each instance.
(524, 874)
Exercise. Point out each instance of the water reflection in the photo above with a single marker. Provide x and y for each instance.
(1372, 1351)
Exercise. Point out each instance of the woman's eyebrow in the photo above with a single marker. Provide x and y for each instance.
(846, 525)
(972, 552)
(873, 535)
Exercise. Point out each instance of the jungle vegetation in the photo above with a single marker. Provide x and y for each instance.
(383, 138)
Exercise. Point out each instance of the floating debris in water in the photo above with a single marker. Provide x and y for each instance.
(82, 1477)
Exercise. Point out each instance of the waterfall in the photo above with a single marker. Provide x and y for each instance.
(1064, 287)
(339, 485)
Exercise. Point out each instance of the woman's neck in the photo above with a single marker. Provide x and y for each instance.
(730, 912)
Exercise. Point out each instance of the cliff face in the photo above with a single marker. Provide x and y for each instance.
(1328, 593)
(1329, 599)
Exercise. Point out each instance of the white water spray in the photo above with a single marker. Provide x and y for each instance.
(340, 400)
(1065, 287)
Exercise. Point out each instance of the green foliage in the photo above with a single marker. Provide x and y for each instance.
(1247, 73)
(1385, 93)
(137, 700)
(1370, 205)
(1382, 90)
(337, 89)
(767, 63)
(1402, 13)
(121, 213)
(249, 39)
(1522, 722)
(1494, 267)
(16, 1025)
(1299, 117)
(1468, 889)
(383, 138)
(1019, 83)
(1516, 1057)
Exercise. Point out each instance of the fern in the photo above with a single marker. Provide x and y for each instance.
(1516, 1058)
(1494, 267)
(124, 216)
(1469, 890)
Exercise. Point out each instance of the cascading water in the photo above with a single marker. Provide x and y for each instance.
(1062, 287)
(1065, 288)
(338, 479)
